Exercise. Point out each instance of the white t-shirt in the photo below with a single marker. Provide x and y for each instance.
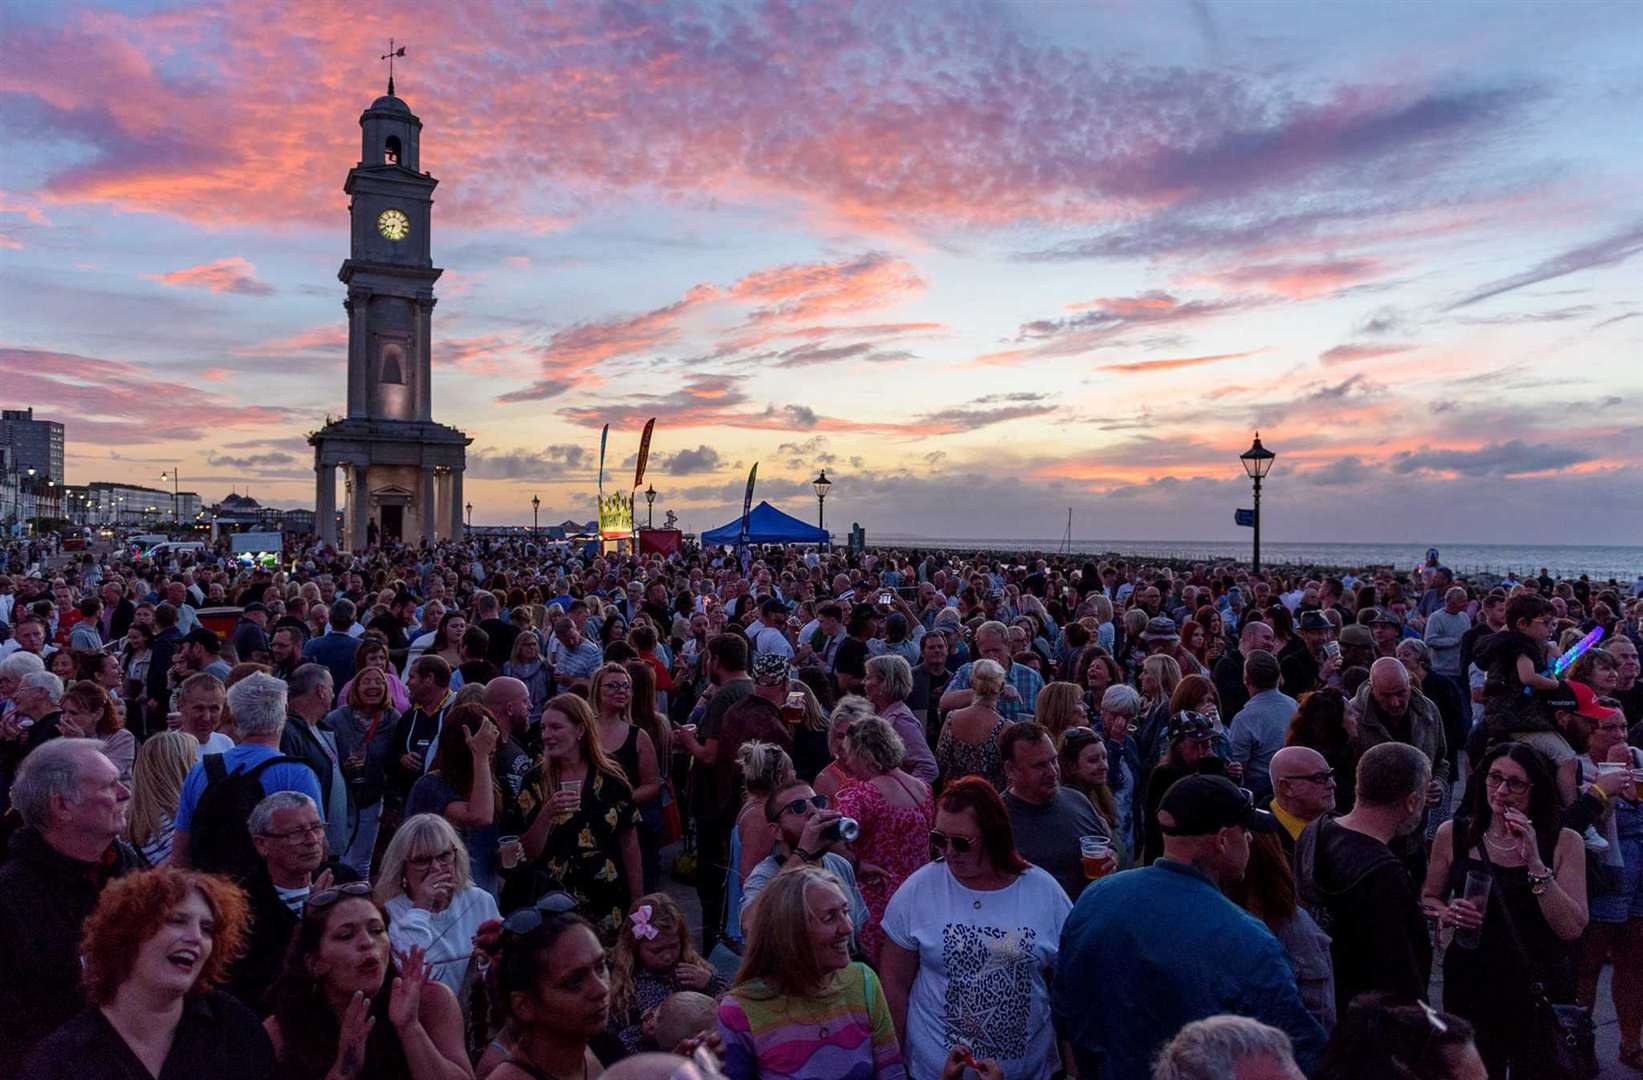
(983, 976)
(218, 743)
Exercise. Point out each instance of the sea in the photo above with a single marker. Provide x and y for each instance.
(1598, 562)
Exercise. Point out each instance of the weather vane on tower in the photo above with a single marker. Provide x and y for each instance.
(389, 56)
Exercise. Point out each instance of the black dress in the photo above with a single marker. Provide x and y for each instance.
(216, 1036)
(1489, 985)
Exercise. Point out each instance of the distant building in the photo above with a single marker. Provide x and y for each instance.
(102, 502)
(38, 444)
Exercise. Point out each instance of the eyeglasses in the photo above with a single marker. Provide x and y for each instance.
(1323, 777)
(1511, 783)
(326, 897)
(961, 844)
(528, 919)
(423, 862)
(301, 832)
(612, 687)
(797, 805)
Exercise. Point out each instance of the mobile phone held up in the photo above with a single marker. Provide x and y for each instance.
(886, 599)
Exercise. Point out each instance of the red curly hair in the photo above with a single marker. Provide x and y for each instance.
(132, 910)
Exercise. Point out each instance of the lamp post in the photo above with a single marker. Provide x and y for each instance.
(176, 518)
(822, 484)
(650, 506)
(470, 514)
(536, 506)
(1257, 463)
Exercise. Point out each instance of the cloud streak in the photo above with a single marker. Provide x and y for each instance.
(235, 274)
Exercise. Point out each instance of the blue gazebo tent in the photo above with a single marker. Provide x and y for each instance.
(766, 525)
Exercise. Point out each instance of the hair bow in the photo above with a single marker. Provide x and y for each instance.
(641, 923)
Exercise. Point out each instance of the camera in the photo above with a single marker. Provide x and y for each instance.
(845, 828)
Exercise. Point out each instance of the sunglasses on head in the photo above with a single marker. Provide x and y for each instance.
(326, 897)
(525, 920)
(961, 844)
(797, 806)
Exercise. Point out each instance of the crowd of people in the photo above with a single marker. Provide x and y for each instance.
(414, 812)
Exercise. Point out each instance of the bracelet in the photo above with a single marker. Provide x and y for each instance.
(805, 855)
(1602, 796)
(1538, 883)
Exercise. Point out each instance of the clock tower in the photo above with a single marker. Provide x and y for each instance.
(402, 471)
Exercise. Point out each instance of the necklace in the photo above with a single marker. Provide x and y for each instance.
(1500, 845)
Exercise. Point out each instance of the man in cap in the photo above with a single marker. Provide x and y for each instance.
(1387, 630)
(250, 637)
(1303, 659)
(1194, 955)
(202, 651)
(1360, 891)
(770, 637)
(1357, 651)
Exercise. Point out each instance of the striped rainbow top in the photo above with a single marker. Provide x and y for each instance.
(843, 1034)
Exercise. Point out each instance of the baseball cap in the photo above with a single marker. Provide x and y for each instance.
(1313, 620)
(1187, 724)
(1201, 805)
(1575, 697)
(253, 607)
(768, 667)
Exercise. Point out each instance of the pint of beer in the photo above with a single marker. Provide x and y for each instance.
(1097, 855)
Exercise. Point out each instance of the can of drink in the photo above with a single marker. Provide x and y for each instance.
(846, 829)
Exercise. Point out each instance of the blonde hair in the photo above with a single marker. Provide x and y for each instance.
(779, 951)
(873, 742)
(1167, 672)
(764, 766)
(596, 689)
(667, 918)
(578, 711)
(422, 834)
(1057, 707)
(157, 782)
(986, 679)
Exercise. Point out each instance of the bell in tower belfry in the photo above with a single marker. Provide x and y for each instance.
(404, 471)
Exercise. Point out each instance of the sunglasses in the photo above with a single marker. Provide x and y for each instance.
(1323, 777)
(797, 805)
(961, 844)
(326, 897)
(526, 920)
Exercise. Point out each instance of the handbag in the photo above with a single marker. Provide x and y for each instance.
(1565, 1033)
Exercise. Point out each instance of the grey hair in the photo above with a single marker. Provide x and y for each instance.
(849, 709)
(1121, 698)
(341, 615)
(485, 601)
(1422, 651)
(262, 815)
(421, 834)
(19, 664)
(43, 680)
(51, 770)
(305, 678)
(258, 704)
(993, 627)
(1212, 1049)
(895, 673)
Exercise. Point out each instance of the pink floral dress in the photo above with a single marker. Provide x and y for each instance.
(894, 838)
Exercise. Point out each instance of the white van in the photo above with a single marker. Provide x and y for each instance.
(171, 549)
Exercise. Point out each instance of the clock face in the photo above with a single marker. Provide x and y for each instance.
(394, 224)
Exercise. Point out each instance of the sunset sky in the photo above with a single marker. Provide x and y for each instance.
(982, 262)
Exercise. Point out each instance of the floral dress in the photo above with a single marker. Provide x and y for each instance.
(650, 989)
(583, 855)
(956, 758)
(894, 838)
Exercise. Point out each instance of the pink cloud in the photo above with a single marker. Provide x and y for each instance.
(1352, 353)
(1173, 364)
(1298, 280)
(123, 403)
(235, 274)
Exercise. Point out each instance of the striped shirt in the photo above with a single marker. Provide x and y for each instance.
(844, 1033)
(1026, 681)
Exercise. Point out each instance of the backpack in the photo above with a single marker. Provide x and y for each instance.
(220, 841)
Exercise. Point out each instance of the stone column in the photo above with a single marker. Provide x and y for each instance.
(325, 503)
(429, 507)
(458, 530)
(424, 358)
(359, 508)
(359, 347)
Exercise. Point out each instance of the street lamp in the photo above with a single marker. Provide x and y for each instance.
(172, 476)
(1257, 463)
(536, 506)
(470, 514)
(822, 485)
(650, 506)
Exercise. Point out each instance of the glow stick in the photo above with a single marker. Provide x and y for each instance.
(1567, 660)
